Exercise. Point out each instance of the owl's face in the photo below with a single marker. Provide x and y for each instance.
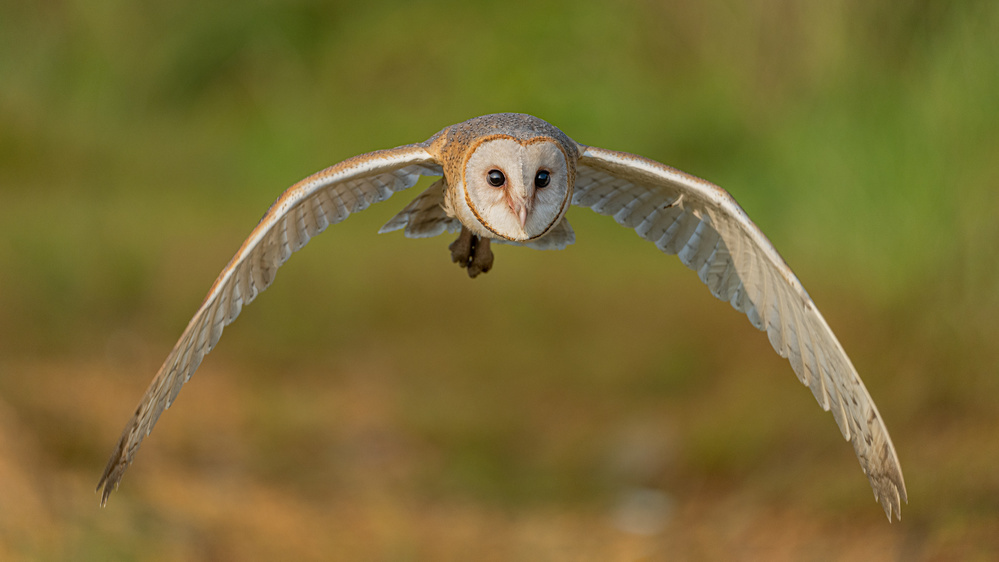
(517, 189)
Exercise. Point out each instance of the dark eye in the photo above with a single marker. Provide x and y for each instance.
(495, 178)
(542, 178)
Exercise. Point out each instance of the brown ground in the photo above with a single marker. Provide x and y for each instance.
(388, 451)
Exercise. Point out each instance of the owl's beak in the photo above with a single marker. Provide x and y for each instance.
(519, 206)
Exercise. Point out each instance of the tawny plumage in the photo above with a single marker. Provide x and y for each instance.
(510, 178)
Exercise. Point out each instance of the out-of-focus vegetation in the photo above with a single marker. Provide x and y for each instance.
(375, 403)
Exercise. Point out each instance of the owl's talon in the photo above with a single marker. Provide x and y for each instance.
(482, 259)
(462, 248)
(472, 253)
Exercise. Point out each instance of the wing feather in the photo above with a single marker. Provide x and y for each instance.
(303, 211)
(424, 216)
(711, 234)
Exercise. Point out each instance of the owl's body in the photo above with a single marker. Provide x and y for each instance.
(517, 147)
(510, 178)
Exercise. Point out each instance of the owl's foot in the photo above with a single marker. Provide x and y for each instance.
(472, 252)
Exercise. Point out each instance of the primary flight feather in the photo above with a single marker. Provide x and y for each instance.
(510, 178)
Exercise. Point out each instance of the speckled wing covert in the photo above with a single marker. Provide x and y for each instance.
(709, 232)
(301, 212)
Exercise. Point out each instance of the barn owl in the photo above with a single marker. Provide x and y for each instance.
(510, 178)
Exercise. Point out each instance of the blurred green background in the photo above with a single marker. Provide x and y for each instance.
(590, 404)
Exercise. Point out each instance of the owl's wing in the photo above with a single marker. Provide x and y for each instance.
(704, 226)
(301, 212)
(424, 216)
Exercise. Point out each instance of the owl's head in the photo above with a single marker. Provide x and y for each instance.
(516, 188)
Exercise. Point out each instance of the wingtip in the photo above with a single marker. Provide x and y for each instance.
(113, 472)
(105, 487)
(890, 496)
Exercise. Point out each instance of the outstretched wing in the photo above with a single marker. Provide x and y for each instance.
(704, 226)
(300, 213)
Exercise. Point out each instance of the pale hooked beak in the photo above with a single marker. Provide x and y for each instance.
(519, 206)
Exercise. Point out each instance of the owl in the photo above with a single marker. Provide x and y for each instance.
(509, 178)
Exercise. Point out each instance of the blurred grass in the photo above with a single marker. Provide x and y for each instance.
(376, 403)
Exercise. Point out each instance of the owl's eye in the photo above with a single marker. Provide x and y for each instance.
(495, 178)
(542, 178)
